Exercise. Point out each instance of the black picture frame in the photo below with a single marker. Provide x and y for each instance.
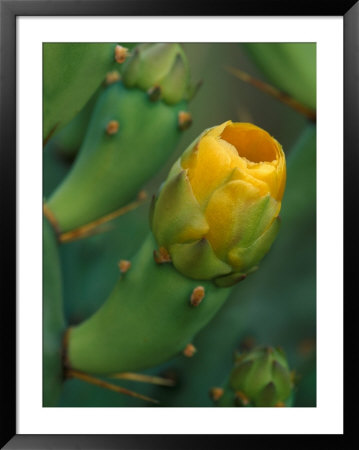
(10, 9)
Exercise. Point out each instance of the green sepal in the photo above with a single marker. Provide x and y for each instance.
(268, 396)
(131, 68)
(174, 84)
(157, 61)
(280, 356)
(53, 319)
(239, 375)
(281, 378)
(243, 259)
(230, 279)
(250, 215)
(256, 220)
(197, 260)
(261, 374)
(177, 215)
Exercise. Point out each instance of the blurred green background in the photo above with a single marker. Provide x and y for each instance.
(274, 306)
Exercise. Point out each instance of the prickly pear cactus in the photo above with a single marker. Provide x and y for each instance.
(162, 304)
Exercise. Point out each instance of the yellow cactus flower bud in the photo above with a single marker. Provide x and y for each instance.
(217, 212)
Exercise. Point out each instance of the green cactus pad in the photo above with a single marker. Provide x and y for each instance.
(53, 319)
(289, 66)
(111, 168)
(146, 320)
(68, 140)
(72, 73)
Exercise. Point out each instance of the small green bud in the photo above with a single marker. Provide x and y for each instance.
(158, 66)
(263, 376)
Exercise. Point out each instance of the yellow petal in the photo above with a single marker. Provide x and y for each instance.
(267, 173)
(245, 175)
(282, 175)
(226, 214)
(217, 131)
(251, 142)
(211, 164)
(263, 154)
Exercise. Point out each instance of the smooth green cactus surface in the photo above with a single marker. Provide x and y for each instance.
(53, 319)
(290, 67)
(111, 168)
(69, 139)
(71, 73)
(147, 319)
